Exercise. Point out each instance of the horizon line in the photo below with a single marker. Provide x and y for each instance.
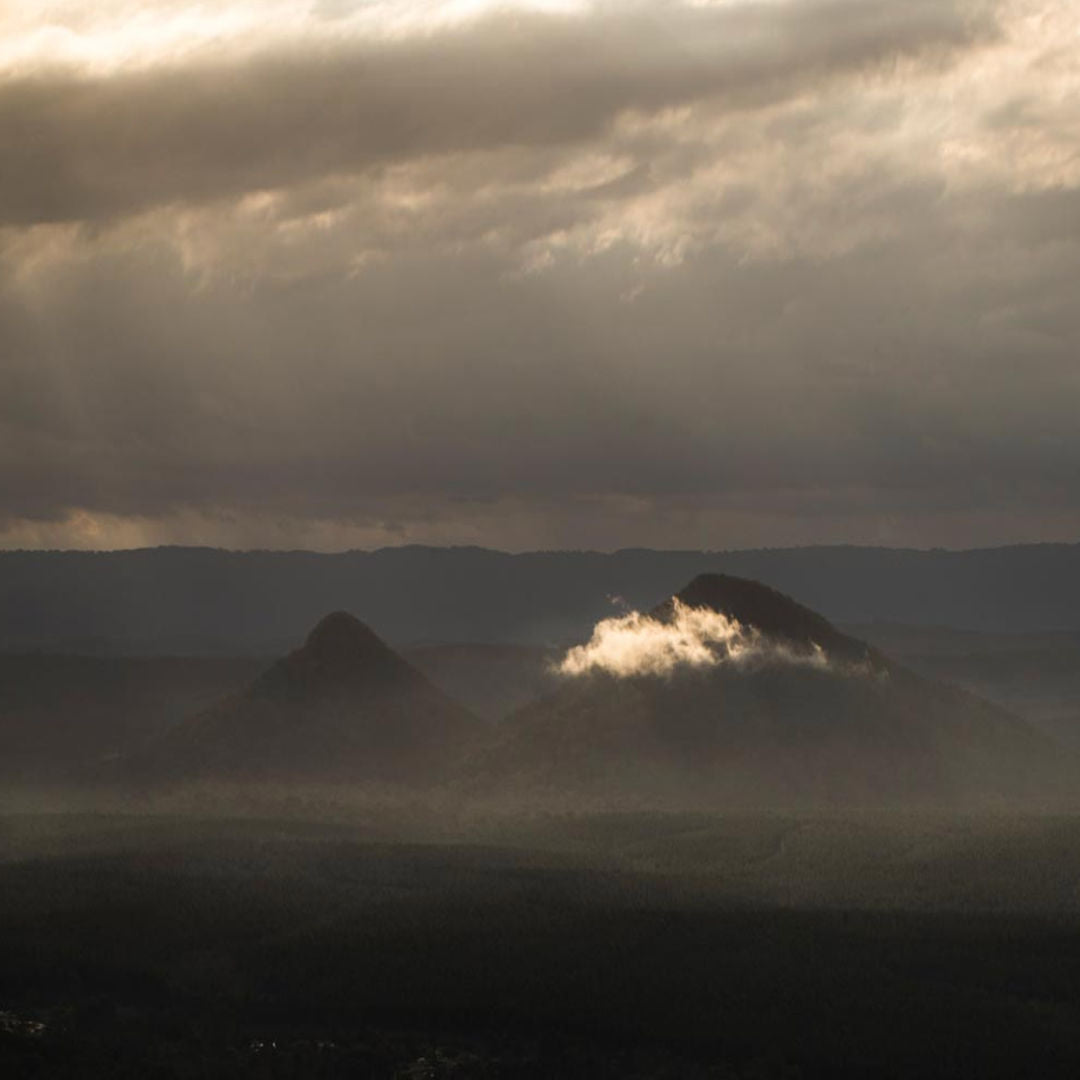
(607, 553)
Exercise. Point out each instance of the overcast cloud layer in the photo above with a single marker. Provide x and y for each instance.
(566, 274)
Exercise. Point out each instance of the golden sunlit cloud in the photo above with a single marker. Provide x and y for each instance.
(120, 35)
(636, 644)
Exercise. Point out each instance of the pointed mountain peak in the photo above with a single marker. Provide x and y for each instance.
(341, 636)
(343, 706)
(340, 651)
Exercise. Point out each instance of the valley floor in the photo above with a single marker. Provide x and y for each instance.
(630, 945)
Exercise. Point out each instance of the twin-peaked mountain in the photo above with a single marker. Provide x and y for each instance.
(729, 693)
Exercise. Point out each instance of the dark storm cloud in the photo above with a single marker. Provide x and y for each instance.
(443, 376)
(79, 147)
(759, 273)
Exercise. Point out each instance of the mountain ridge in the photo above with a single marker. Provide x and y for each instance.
(207, 601)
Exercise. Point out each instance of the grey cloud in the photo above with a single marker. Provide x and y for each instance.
(439, 376)
(477, 308)
(80, 148)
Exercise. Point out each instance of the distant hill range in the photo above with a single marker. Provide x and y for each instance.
(201, 601)
(790, 711)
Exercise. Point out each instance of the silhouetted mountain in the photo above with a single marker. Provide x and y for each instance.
(344, 707)
(202, 601)
(60, 713)
(787, 725)
(773, 614)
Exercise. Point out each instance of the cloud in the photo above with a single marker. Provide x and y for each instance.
(635, 644)
(701, 276)
(84, 147)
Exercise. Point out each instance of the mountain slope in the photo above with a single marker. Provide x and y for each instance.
(343, 708)
(788, 711)
(771, 613)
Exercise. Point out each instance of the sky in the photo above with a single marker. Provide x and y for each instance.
(716, 274)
